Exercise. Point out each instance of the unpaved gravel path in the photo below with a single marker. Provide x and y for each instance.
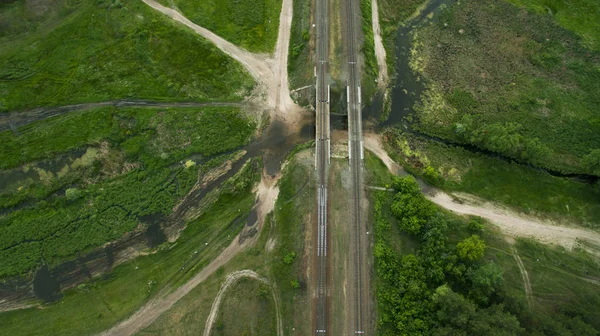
(229, 281)
(510, 222)
(382, 78)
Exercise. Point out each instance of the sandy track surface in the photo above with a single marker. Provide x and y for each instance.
(379, 49)
(229, 281)
(510, 222)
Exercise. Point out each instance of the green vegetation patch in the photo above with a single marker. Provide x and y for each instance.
(300, 67)
(524, 188)
(511, 82)
(368, 48)
(130, 170)
(295, 201)
(252, 25)
(95, 306)
(440, 274)
(582, 16)
(104, 50)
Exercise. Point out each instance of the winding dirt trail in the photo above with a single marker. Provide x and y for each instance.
(229, 281)
(382, 77)
(510, 222)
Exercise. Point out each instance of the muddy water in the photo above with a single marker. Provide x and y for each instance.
(408, 86)
(45, 285)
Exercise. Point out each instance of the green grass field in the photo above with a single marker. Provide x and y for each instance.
(368, 50)
(512, 82)
(423, 288)
(90, 51)
(252, 25)
(521, 187)
(247, 309)
(95, 306)
(581, 17)
(132, 167)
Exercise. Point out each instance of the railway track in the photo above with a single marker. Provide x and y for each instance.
(322, 155)
(356, 156)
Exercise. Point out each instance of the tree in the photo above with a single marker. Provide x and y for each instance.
(471, 248)
(485, 280)
(410, 206)
(456, 315)
(413, 211)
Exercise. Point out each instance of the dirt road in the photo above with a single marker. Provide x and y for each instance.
(510, 222)
(12, 120)
(379, 49)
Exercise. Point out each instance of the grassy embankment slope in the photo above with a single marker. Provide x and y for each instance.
(300, 64)
(252, 25)
(368, 83)
(131, 168)
(438, 273)
(89, 51)
(279, 255)
(513, 82)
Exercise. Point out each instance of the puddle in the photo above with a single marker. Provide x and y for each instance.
(45, 286)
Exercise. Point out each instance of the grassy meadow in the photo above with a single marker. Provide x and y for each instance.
(257, 316)
(513, 82)
(252, 25)
(90, 51)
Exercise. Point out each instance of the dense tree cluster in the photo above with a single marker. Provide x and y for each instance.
(445, 287)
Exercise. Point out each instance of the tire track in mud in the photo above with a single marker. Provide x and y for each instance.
(524, 275)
